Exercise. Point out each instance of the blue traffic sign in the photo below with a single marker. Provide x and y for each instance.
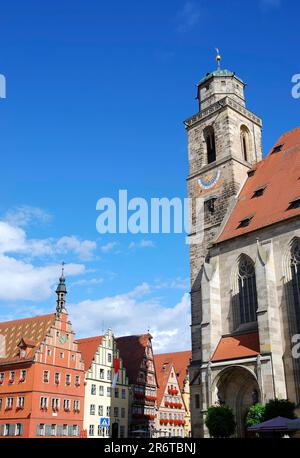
(104, 422)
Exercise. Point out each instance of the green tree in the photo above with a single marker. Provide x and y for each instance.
(255, 415)
(220, 421)
(279, 408)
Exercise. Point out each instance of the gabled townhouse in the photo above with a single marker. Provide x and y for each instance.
(173, 401)
(41, 375)
(137, 354)
(106, 388)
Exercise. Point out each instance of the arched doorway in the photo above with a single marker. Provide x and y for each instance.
(236, 387)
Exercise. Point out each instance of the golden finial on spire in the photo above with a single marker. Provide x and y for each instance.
(218, 58)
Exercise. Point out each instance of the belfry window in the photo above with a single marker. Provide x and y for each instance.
(209, 136)
(295, 267)
(245, 143)
(247, 290)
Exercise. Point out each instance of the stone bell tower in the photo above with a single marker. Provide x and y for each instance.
(224, 143)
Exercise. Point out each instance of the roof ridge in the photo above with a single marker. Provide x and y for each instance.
(27, 318)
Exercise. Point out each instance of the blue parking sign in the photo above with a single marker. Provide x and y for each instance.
(104, 422)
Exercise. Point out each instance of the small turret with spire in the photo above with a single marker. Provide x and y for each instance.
(61, 292)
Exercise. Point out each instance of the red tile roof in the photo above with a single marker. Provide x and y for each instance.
(180, 360)
(234, 347)
(279, 173)
(31, 330)
(164, 362)
(88, 348)
(132, 350)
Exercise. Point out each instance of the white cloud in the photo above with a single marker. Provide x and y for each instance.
(188, 17)
(108, 247)
(134, 313)
(176, 283)
(83, 248)
(25, 215)
(14, 240)
(142, 244)
(23, 281)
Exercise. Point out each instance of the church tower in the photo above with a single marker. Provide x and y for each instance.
(224, 143)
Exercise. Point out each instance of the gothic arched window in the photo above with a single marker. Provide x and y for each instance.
(209, 136)
(295, 267)
(247, 291)
(245, 143)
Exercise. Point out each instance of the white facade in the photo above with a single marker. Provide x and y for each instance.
(101, 400)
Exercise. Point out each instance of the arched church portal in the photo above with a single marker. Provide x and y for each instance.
(236, 387)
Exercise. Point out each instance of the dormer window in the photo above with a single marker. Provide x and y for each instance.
(251, 173)
(294, 204)
(245, 222)
(276, 149)
(259, 191)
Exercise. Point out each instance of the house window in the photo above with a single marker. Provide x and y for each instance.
(122, 431)
(43, 403)
(91, 430)
(109, 391)
(1, 378)
(22, 376)
(197, 401)
(100, 411)
(68, 379)
(77, 380)
(101, 374)
(123, 412)
(55, 404)
(123, 393)
(9, 403)
(11, 377)
(20, 402)
(66, 405)
(19, 429)
(108, 411)
(76, 405)
(116, 392)
(65, 430)
(1, 402)
(61, 355)
(57, 378)
(46, 377)
(41, 429)
(109, 375)
(116, 412)
(92, 409)
(109, 357)
(101, 390)
(247, 290)
(48, 352)
(53, 430)
(209, 137)
(93, 389)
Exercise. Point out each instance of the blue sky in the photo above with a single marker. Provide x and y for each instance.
(96, 97)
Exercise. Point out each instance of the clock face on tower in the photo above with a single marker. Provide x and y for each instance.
(63, 338)
(209, 180)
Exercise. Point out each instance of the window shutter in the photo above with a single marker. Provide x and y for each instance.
(48, 430)
(37, 429)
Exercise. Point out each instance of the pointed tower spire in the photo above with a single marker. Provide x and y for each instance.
(61, 292)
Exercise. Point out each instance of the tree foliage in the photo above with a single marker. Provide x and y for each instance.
(279, 408)
(255, 415)
(220, 421)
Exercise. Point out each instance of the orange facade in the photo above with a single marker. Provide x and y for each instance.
(41, 378)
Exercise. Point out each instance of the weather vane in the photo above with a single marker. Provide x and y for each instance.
(218, 58)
